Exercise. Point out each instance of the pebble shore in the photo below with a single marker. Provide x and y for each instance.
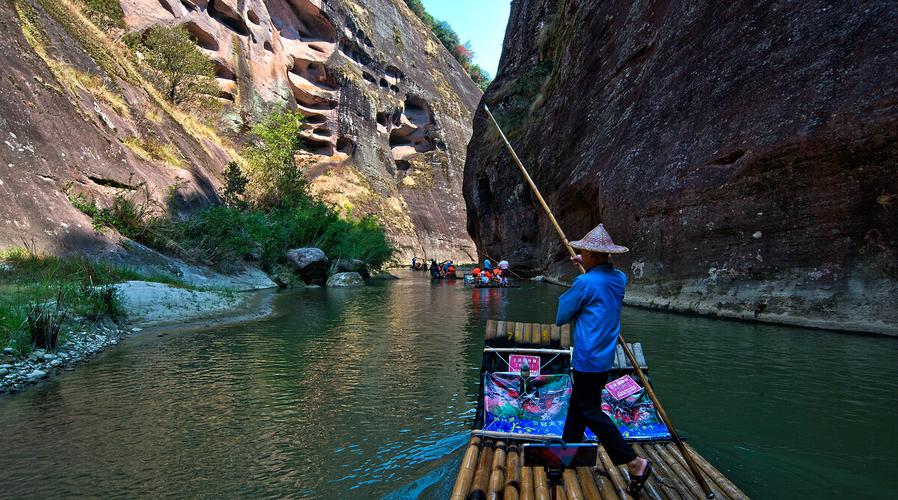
(18, 372)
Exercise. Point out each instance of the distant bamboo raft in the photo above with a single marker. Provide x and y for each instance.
(493, 467)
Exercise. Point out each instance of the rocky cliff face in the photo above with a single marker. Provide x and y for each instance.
(746, 152)
(388, 109)
(77, 118)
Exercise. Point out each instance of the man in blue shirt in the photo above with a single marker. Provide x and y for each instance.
(594, 304)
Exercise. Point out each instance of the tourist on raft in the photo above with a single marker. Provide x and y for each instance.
(503, 266)
(594, 304)
(487, 265)
(450, 271)
(434, 269)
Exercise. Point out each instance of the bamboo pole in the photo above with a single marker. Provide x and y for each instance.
(652, 486)
(679, 458)
(678, 469)
(497, 478)
(540, 484)
(722, 481)
(588, 484)
(482, 475)
(617, 480)
(572, 488)
(666, 478)
(512, 473)
(466, 471)
(696, 472)
(526, 483)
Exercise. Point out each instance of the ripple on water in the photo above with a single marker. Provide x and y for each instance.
(370, 392)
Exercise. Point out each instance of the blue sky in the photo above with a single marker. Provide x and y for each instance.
(482, 22)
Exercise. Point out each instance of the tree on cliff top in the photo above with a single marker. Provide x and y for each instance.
(449, 38)
(185, 72)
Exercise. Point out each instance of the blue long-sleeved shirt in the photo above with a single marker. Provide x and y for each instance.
(594, 303)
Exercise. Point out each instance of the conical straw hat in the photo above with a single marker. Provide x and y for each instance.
(598, 240)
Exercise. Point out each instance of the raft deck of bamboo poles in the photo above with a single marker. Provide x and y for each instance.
(493, 467)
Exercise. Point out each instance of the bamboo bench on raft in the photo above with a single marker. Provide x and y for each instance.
(492, 467)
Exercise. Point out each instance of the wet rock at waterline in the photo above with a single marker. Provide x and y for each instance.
(353, 266)
(345, 280)
(310, 264)
(745, 153)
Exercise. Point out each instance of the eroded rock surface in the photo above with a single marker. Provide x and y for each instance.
(70, 125)
(388, 109)
(746, 153)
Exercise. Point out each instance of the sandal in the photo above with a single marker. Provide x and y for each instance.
(637, 482)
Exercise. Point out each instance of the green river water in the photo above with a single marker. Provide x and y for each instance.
(368, 393)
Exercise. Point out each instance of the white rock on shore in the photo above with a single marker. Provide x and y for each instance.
(154, 303)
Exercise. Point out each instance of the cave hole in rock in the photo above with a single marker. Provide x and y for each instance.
(224, 94)
(187, 4)
(345, 145)
(395, 73)
(412, 128)
(315, 119)
(223, 13)
(202, 37)
(322, 131)
(318, 146)
(309, 102)
(314, 72)
(354, 52)
(223, 72)
(267, 46)
(368, 77)
(403, 165)
(310, 23)
(383, 118)
(110, 183)
(394, 88)
(383, 83)
(729, 158)
(252, 16)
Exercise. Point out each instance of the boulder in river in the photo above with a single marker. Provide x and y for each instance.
(310, 264)
(353, 266)
(345, 280)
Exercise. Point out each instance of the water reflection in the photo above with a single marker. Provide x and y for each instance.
(368, 392)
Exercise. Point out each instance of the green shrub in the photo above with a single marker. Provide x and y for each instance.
(226, 236)
(184, 73)
(275, 180)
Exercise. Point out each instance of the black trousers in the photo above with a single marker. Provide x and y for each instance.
(585, 410)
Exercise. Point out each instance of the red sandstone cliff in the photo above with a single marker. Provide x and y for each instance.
(389, 109)
(746, 152)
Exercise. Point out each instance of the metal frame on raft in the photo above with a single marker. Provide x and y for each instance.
(492, 466)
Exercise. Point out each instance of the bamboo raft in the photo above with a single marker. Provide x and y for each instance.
(492, 466)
